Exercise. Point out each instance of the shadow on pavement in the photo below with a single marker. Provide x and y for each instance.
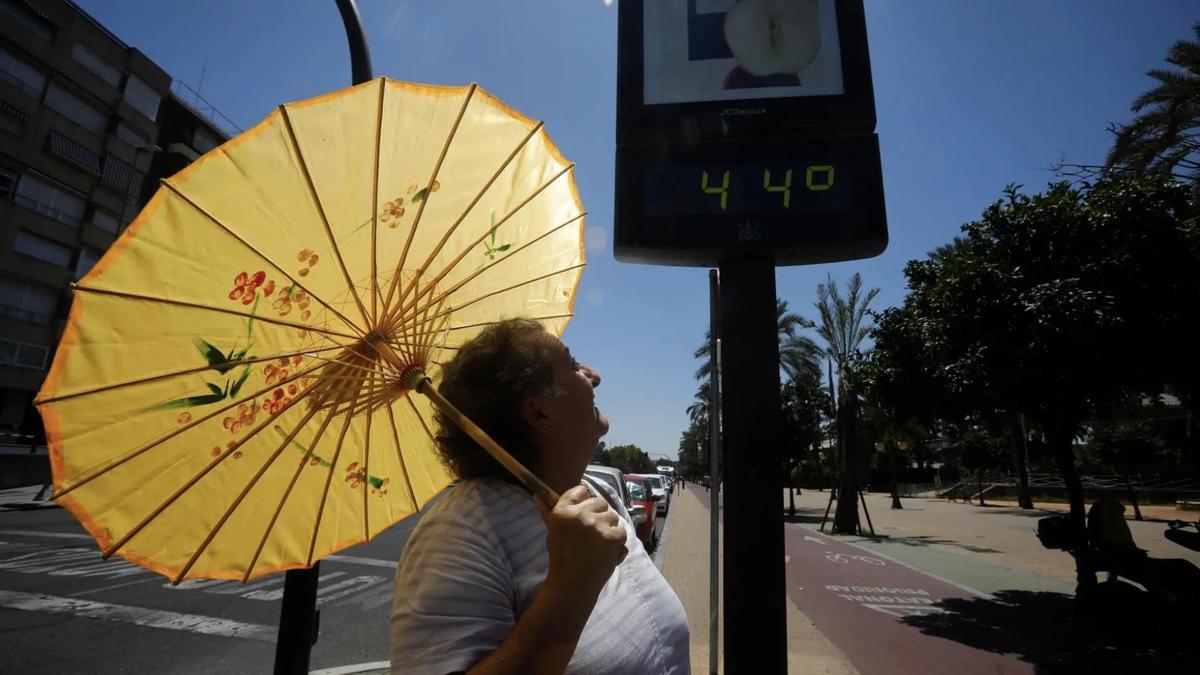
(803, 516)
(927, 540)
(1128, 634)
(811, 516)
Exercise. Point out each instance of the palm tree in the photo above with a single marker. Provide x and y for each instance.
(843, 328)
(798, 354)
(1165, 134)
(698, 410)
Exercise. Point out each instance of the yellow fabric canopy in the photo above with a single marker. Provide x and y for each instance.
(220, 405)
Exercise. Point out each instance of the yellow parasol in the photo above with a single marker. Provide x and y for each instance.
(233, 392)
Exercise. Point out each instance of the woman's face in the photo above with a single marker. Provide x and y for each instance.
(569, 423)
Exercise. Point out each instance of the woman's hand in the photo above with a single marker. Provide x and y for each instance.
(585, 542)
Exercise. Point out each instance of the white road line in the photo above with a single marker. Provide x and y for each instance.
(114, 586)
(355, 560)
(153, 618)
(353, 668)
(52, 535)
(944, 580)
(350, 559)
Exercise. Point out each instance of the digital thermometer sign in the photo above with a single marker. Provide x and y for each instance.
(800, 201)
(746, 128)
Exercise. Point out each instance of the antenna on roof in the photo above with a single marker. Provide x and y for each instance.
(200, 87)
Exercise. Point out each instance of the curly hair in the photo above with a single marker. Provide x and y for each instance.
(487, 380)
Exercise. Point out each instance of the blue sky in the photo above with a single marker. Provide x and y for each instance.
(971, 95)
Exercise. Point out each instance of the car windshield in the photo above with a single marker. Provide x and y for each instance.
(654, 482)
(636, 490)
(607, 478)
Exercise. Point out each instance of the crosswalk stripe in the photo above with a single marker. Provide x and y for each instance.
(351, 559)
(142, 616)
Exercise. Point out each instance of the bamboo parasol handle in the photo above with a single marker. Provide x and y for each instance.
(418, 381)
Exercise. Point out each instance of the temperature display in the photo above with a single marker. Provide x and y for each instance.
(746, 189)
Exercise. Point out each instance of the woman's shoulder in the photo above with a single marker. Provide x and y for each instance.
(481, 503)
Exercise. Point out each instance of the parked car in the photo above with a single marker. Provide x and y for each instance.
(659, 488)
(616, 479)
(639, 492)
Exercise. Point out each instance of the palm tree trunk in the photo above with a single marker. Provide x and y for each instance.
(895, 482)
(845, 520)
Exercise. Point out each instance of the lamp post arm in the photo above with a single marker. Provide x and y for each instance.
(360, 56)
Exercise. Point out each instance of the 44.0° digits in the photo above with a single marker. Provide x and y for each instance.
(817, 178)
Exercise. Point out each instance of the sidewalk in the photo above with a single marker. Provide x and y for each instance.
(686, 568)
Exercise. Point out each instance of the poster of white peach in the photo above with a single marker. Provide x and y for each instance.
(727, 50)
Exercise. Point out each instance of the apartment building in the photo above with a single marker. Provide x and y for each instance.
(88, 125)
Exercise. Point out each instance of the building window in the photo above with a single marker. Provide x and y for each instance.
(97, 65)
(105, 220)
(43, 249)
(50, 199)
(131, 136)
(27, 302)
(21, 72)
(23, 355)
(87, 260)
(76, 109)
(143, 99)
(35, 21)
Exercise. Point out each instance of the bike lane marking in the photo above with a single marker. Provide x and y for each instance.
(858, 598)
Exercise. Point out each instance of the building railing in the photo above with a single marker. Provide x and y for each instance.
(970, 482)
(203, 109)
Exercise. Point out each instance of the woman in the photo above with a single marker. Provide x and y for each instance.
(491, 582)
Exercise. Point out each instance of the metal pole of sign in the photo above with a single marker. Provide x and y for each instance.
(299, 620)
(754, 605)
(714, 472)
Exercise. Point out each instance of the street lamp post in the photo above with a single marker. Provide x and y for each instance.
(299, 619)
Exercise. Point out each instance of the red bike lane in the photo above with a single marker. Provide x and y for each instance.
(859, 600)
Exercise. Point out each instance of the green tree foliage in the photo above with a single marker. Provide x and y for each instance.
(630, 459)
(804, 401)
(601, 455)
(693, 451)
(1056, 306)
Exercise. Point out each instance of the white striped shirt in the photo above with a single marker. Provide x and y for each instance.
(473, 566)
